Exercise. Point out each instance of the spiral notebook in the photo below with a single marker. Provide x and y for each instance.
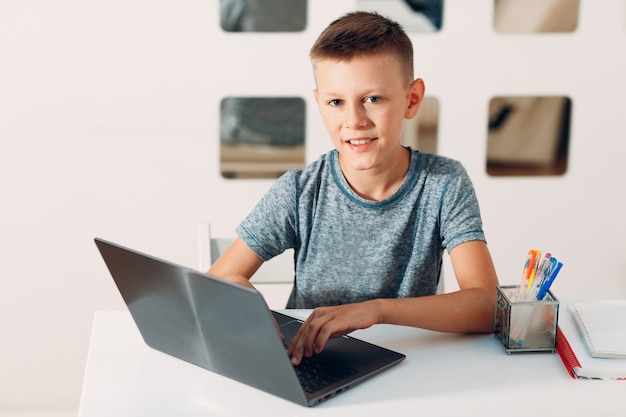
(603, 327)
(576, 356)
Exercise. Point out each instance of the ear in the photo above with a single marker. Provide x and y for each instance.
(415, 96)
(316, 94)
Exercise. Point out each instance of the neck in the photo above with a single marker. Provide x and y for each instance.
(380, 183)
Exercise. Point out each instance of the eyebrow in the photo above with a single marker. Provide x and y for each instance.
(376, 90)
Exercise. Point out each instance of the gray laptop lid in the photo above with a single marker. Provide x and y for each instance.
(221, 326)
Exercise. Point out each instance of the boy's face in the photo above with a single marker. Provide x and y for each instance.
(363, 103)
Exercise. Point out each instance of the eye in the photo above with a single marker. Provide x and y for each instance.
(373, 99)
(335, 102)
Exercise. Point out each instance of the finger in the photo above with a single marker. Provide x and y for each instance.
(301, 344)
(296, 359)
(295, 350)
(306, 338)
(322, 337)
(280, 333)
(314, 332)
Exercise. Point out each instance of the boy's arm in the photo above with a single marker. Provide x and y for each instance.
(237, 264)
(471, 309)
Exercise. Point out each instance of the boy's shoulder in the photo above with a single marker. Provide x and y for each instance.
(312, 174)
(321, 165)
(437, 163)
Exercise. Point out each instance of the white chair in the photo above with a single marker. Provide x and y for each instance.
(274, 279)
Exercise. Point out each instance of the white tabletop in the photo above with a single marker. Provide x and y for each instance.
(443, 375)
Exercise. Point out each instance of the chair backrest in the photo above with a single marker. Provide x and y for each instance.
(278, 270)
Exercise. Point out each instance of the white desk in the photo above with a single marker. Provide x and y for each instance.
(443, 375)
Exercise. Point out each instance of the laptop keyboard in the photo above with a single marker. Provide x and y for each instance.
(315, 375)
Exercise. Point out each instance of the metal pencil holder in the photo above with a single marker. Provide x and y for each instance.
(525, 326)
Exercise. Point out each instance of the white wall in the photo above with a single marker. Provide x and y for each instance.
(109, 127)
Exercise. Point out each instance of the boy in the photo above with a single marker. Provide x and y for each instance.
(370, 219)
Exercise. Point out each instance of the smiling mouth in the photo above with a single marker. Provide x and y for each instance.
(359, 141)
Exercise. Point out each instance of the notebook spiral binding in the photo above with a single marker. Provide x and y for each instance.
(583, 328)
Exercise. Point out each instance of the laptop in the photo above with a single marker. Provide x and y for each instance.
(228, 329)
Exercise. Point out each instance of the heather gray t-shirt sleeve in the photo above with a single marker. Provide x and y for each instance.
(271, 228)
(459, 211)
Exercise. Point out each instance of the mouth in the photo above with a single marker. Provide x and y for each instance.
(360, 141)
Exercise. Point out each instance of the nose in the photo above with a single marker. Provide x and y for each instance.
(356, 116)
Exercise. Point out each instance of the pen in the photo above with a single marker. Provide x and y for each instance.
(533, 271)
(548, 282)
(530, 263)
(540, 277)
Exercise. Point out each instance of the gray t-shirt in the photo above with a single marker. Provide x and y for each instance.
(349, 249)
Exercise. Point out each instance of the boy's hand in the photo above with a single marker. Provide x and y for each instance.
(328, 322)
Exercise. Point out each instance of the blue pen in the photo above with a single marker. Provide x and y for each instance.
(546, 285)
(552, 262)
